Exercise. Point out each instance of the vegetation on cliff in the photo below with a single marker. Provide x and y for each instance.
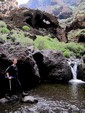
(68, 49)
(41, 42)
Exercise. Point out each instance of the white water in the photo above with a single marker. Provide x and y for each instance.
(73, 65)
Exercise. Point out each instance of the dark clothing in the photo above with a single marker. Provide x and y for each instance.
(13, 71)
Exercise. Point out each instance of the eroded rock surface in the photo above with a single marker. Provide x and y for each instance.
(52, 66)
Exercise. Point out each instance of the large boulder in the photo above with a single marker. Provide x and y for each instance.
(52, 66)
(28, 70)
(81, 69)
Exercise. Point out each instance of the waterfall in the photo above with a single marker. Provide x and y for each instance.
(74, 70)
(73, 65)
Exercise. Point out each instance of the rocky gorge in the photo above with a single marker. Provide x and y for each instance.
(43, 44)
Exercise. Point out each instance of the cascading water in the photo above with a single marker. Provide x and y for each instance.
(73, 66)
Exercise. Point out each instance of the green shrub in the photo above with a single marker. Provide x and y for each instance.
(68, 49)
(75, 48)
(26, 28)
(4, 30)
(45, 43)
(20, 37)
(2, 24)
(67, 53)
(75, 33)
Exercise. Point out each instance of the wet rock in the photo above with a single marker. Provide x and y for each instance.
(52, 66)
(3, 100)
(81, 70)
(13, 98)
(29, 99)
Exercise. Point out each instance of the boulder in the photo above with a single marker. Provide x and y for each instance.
(52, 66)
(11, 99)
(3, 100)
(28, 70)
(81, 69)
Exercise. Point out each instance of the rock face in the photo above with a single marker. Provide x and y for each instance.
(77, 24)
(52, 66)
(28, 70)
(41, 22)
(81, 70)
(78, 17)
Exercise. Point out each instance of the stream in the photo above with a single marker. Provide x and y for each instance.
(52, 98)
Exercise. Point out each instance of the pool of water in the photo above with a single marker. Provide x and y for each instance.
(52, 98)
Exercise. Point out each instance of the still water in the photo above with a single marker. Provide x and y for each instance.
(52, 98)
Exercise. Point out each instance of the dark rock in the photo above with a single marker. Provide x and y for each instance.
(37, 20)
(33, 37)
(81, 38)
(52, 66)
(78, 22)
(83, 58)
(29, 99)
(28, 70)
(81, 70)
(11, 99)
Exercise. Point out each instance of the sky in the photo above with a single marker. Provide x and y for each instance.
(22, 2)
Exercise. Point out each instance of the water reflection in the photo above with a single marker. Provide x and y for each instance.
(74, 91)
(53, 98)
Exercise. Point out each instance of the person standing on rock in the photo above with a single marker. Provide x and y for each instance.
(12, 73)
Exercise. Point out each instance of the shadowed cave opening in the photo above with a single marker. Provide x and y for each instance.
(38, 21)
(81, 38)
